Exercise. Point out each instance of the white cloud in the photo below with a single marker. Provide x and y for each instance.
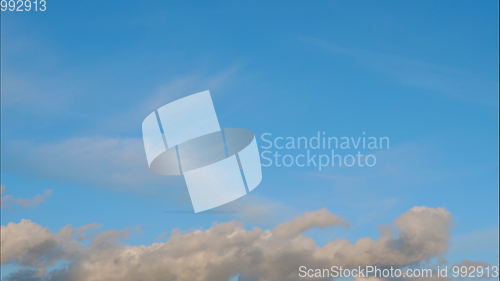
(224, 250)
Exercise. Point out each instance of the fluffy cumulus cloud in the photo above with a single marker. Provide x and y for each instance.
(223, 250)
(30, 244)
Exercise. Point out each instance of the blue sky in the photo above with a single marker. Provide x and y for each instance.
(78, 80)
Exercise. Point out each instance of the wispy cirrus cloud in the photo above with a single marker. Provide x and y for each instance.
(11, 201)
(98, 161)
(130, 118)
(454, 83)
(112, 151)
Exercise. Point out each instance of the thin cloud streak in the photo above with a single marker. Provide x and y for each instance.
(8, 201)
(433, 78)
